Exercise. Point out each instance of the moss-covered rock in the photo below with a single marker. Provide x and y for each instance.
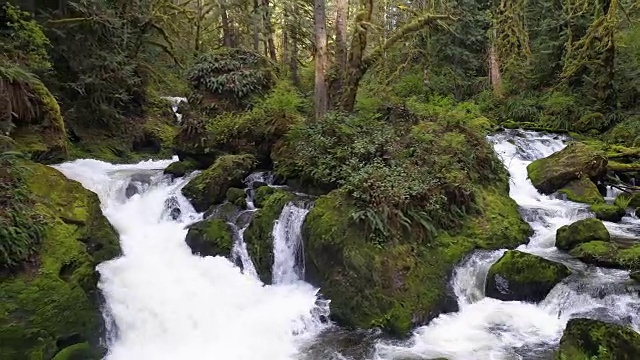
(582, 190)
(608, 254)
(382, 284)
(261, 194)
(210, 186)
(582, 231)
(607, 212)
(210, 237)
(81, 351)
(523, 277)
(574, 162)
(258, 236)
(180, 168)
(237, 197)
(586, 339)
(52, 301)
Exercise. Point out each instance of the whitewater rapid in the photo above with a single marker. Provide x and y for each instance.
(486, 328)
(163, 303)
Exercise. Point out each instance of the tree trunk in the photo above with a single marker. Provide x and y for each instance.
(256, 26)
(320, 31)
(339, 73)
(494, 70)
(227, 33)
(269, 31)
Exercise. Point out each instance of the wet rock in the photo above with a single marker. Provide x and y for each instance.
(520, 276)
(258, 184)
(227, 212)
(210, 186)
(131, 190)
(635, 275)
(582, 190)
(582, 231)
(586, 339)
(606, 212)
(574, 162)
(210, 237)
(261, 194)
(237, 197)
(609, 254)
(180, 168)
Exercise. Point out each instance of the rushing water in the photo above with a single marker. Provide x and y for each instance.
(486, 328)
(162, 302)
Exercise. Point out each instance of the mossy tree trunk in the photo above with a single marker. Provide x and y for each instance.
(320, 31)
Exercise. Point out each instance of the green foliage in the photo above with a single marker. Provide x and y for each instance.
(224, 79)
(22, 40)
(586, 339)
(21, 227)
(626, 132)
(414, 166)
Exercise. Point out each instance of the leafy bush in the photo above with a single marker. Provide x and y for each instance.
(225, 79)
(413, 169)
(20, 226)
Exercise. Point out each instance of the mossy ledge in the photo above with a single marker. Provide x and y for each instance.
(51, 301)
(382, 284)
(586, 339)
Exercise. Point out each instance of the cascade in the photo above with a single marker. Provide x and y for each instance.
(288, 263)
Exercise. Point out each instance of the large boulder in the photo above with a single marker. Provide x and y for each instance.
(210, 237)
(586, 339)
(180, 168)
(519, 276)
(382, 283)
(258, 236)
(50, 298)
(582, 231)
(210, 186)
(574, 162)
(608, 254)
(607, 212)
(582, 190)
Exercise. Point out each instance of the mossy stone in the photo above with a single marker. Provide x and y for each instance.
(261, 194)
(81, 351)
(520, 276)
(606, 212)
(582, 190)
(210, 186)
(608, 254)
(574, 162)
(210, 237)
(258, 236)
(582, 231)
(373, 284)
(586, 339)
(237, 197)
(180, 168)
(55, 296)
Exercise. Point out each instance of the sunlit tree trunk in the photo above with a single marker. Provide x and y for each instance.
(320, 34)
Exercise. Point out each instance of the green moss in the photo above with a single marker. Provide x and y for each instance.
(569, 236)
(582, 190)
(575, 161)
(261, 195)
(523, 277)
(210, 186)
(382, 283)
(586, 339)
(54, 296)
(210, 237)
(180, 168)
(606, 212)
(258, 235)
(82, 351)
(237, 197)
(607, 254)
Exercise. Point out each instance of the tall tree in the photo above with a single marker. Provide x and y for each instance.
(320, 30)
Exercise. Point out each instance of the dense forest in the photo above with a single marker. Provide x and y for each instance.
(381, 109)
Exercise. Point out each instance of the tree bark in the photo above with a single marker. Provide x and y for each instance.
(227, 32)
(256, 26)
(495, 75)
(320, 31)
(269, 31)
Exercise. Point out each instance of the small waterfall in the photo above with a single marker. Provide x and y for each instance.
(288, 254)
(175, 104)
(487, 328)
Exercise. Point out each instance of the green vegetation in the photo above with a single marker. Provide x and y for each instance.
(582, 190)
(606, 212)
(586, 339)
(210, 237)
(523, 277)
(608, 254)
(582, 231)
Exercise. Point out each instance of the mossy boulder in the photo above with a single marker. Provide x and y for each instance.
(582, 231)
(582, 190)
(237, 197)
(520, 276)
(574, 162)
(225, 211)
(586, 339)
(51, 302)
(382, 284)
(210, 237)
(210, 186)
(180, 168)
(261, 194)
(608, 254)
(258, 236)
(81, 351)
(607, 212)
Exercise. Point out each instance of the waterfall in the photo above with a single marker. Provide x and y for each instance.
(164, 303)
(288, 258)
(486, 328)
